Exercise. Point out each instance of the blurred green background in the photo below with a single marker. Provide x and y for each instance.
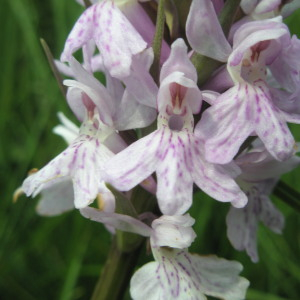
(61, 257)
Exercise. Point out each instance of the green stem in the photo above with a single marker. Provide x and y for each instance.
(116, 273)
(204, 65)
(228, 14)
(157, 40)
(125, 248)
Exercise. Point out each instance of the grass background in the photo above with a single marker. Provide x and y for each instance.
(61, 257)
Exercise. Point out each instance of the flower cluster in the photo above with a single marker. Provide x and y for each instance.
(230, 138)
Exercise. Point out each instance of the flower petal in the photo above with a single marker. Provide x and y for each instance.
(145, 285)
(174, 181)
(117, 221)
(271, 216)
(271, 126)
(132, 114)
(113, 34)
(135, 163)
(178, 61)
(68, 130)
(173, 231)
(81, 161)
(180, 275)
(235, 115)
(265, 6)
(242, 223)
(81, 33)
(203, 25)
(226, 125)
(241, 230)
(56, 199)
(216, 180)
(140, 83)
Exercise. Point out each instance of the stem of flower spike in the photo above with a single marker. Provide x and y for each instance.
(116, 273)
(125, 248)
(157, 40)
(204, 65)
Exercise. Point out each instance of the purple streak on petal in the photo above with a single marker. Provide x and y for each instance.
(113, 34)
(81, 161)
(225, 125)
(134, 164)
(272, 129)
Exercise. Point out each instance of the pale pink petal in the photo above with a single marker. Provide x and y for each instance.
(81, 161)
(210, 96)
(114, 142)
(113, 34)
(99, 97)
(74, 99)
(116, 39)
(215, 180)
(271, 216)
(248, 5)
(237, 112)
(204, 31)
(271, 126)
(253, 32)
(174, 181)
(241, 230)
(173, 231)
(134, 164)
(92, 87)
(68, 130)
(286, 67)
(140, 83)
(189, 89)
(250, 34)
(242, 223)
(260, 165)
(165, 152)
(178, 61)
(180, 275)
(265, 6)
(219, 277)
(64, 68)
(117, 221)
(145, 285)
(56, 199)
(132, 114)
(81, 33)
(226, 125)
